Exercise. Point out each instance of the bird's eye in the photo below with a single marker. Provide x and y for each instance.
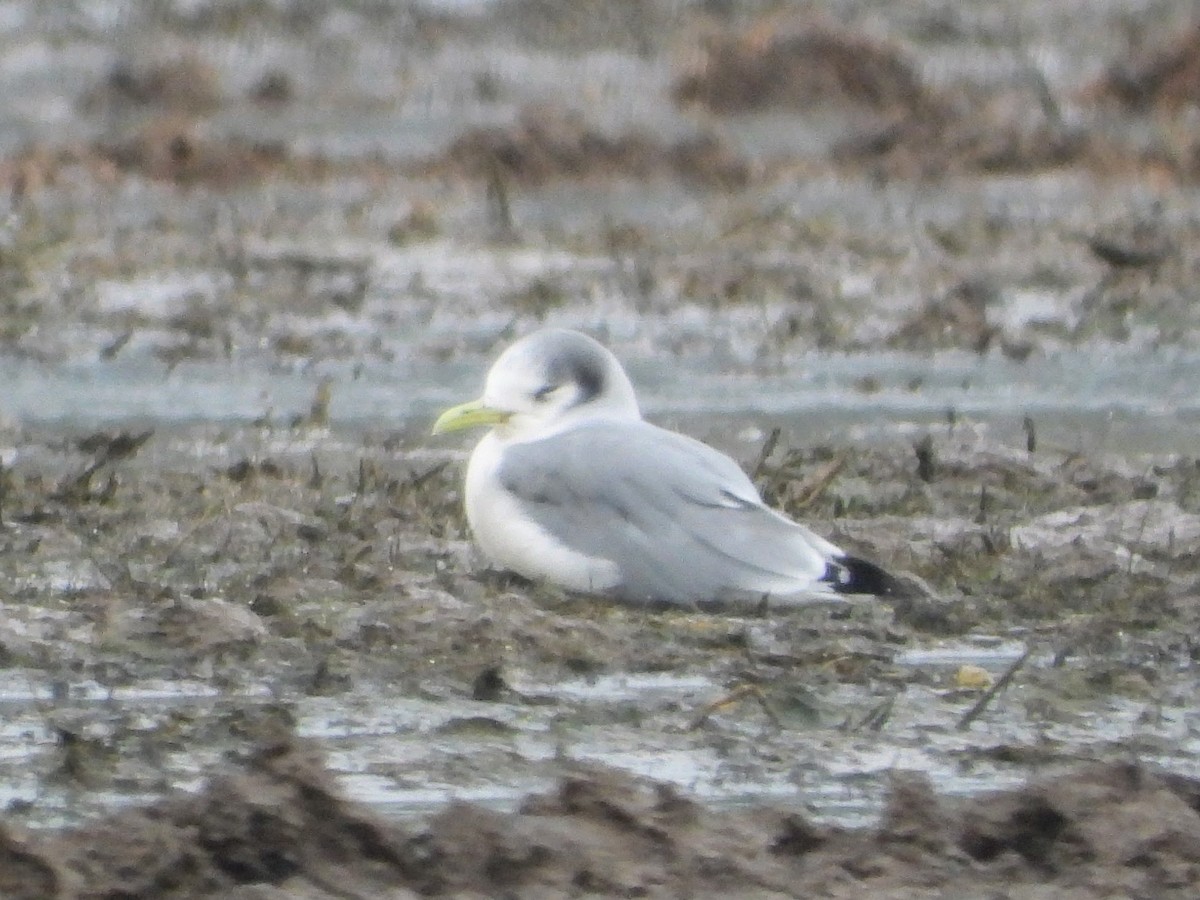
(543, 393)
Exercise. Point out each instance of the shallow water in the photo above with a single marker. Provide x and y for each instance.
(1118, 400)
(410, 756)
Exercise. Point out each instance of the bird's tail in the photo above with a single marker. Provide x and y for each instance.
(852, 575)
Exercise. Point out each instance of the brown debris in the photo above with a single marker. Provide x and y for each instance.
(172, 149)
(280, 823)
(1141, 242)
(275, 88)
(185, 84)
(916, 133)
(933, 146)
(1163, 77)
(767, 68)
(548, 144)
(957, 320)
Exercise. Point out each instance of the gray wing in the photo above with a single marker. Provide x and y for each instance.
(683, 523)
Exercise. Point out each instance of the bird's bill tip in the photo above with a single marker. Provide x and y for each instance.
(469, 415)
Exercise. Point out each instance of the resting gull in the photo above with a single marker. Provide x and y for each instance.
(572, 486)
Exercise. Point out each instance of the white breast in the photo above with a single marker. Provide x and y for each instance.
(511, 540)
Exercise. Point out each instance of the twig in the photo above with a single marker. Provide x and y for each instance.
(876, 717)
(739, 693)
(110, 450)
(764, 454)
(822, 480)
(1049, 104)
(1001, 683)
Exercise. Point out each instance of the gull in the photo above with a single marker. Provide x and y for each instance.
(573, 487)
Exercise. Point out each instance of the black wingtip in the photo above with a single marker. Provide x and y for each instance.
(852, 575)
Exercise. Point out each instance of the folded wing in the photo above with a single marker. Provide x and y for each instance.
(683, 523)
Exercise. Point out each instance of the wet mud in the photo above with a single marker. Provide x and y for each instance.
(546, 145)
(339, 579)
(246, 646)
(277, 827)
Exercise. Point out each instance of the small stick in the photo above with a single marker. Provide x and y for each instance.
(111, 450)
(1001, 683)
(738, 694)
(877, 716)
(821, 481)
(764, 454)
(926, 460)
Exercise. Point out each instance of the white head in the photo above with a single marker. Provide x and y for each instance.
(544, 382)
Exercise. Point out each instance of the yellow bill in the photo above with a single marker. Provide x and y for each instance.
(469, 415)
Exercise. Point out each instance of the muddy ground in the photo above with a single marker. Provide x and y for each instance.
(326, 576)
(246, 648)
(278, 829)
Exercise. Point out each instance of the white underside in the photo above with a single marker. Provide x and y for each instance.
(511, 540)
